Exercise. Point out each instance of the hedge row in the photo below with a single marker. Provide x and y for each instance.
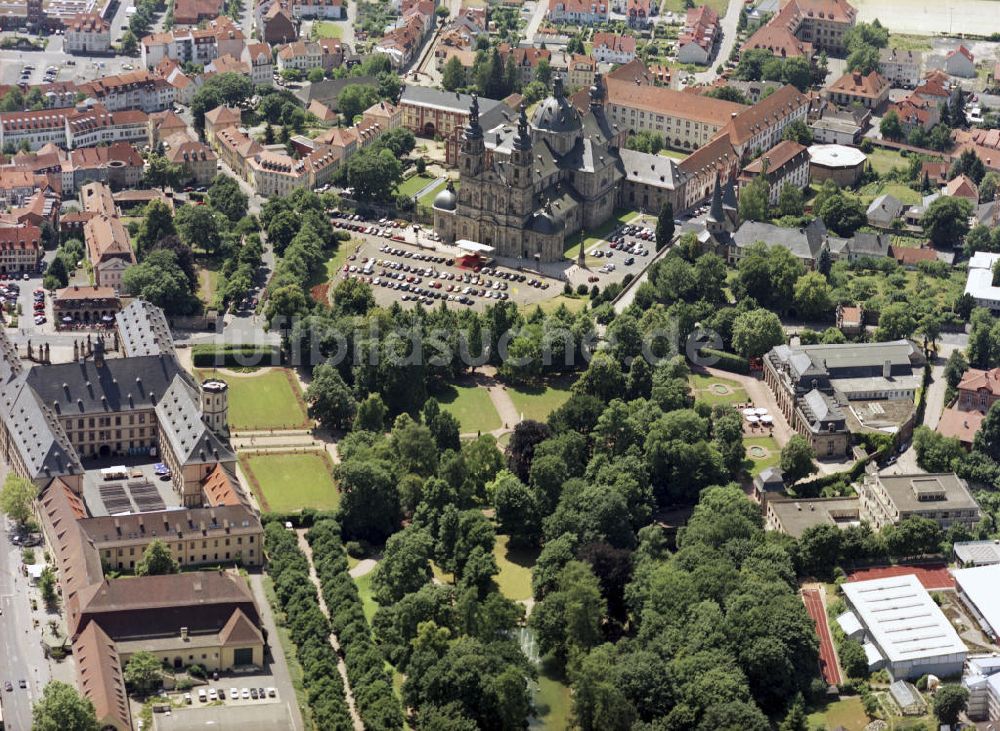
(309, 629)
(725, 361)
(370, 682)
(234, 356)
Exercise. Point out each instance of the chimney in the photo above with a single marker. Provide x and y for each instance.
(184, 634)
(886, 369)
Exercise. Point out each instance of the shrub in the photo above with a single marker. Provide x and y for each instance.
(239, 356)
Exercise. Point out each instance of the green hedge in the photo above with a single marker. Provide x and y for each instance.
(309, 629)
(726, 361)
(234, 356)
(366, 670)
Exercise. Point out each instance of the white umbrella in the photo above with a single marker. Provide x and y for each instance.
(749, 412)
(760, 411)
(753, 419)
(766, 419)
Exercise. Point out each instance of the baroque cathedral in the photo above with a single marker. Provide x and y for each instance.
(525, 189)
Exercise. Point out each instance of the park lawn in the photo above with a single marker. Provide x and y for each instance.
(848, 712)
(702, 387)
(903, 193)
(326, 29)
(286, 483)
(515, 566)
(678, 6)
(208, 279)
(411, 186)
(427, 199)
(883, 160)
(759, 464)
(573, 304)
(538, 402)
(905, 42)
(553, 702)
(472, 406)
(368, 603)
(271, 399)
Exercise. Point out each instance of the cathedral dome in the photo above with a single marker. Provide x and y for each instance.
(446, 200)
(555, 114)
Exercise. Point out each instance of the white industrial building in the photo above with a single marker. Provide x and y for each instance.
(977, 553)
(982, 680)
(979, 590)
(980, 281)
(905, 628)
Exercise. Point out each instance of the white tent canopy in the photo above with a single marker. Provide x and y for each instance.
(474, 247)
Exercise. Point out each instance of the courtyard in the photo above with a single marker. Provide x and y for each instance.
(265, 399)
(289, 482)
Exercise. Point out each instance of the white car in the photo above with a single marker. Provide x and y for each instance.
(212, 695)
(234, 693)
(245, 695)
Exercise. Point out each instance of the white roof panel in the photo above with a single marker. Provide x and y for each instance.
(982, 586)
(902, 619)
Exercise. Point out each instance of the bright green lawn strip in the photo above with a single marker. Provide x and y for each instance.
(368, 603)
(472, 406)
(414, 185)
(325, 29)
(268, 400)
(538, 402)
(515, 569)
(290, 482)
(762, 463)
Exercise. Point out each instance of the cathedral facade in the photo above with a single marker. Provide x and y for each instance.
(524, 189)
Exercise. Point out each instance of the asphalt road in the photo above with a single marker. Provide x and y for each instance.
(19, 644)
(728, 23)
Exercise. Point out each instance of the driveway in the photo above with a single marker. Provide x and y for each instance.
(280, 677)
(728, 25)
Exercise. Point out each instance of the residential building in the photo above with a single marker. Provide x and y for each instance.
(258, 56)
(761, 126)
(163, 125)
(802, 27)
(384, 115)
(274, 174)
(199, 46)
(839, 126)
(792, 516)
(71, 128)
(20, 249)
(960, 62)
(298, 10)
(916, 112)
(856, 89)
(131, 90)
(640, 12)
(580, 71)
(16, 185)
(899, 67)
(850, 319)
(119, 165)
(941, 497)
(612, 48)
(904, 630)
(108, 249)
(978, 390)
(787, 163)
(696, 42)
(220, 118)
(578, 12)
(87, 33)
(525, 60)
(278, 25)
(196, 159)
(402, 42)
(192, 12)
(883, 211)
(962, 186)
(299, 55)
(979, 282)
(235, 148)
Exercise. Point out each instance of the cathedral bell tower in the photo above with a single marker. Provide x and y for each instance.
(520, 170)
(473, 146)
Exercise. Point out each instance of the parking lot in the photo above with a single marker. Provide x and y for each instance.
(409, 265)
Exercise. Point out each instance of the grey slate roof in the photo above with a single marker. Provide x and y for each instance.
(883, 210)
(804, 243)
(180, 421)
(36, 434)
(820, 409)
(143, 330)
(120, 384)
(451, 101)
(656, 170)
(327, 91)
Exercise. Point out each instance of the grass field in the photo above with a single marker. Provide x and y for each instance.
(412, 186)
(899, 191)
(772, 457)
(847, 712)
(909, 43)
(472, 407)
(269, 400)
(207, 269)
(678, 6)
(883, 160)
(326, 29)
(553, 702)
(336, 262)
(368, 603)
(573, 304)
(427, 199)
(285, 483)
(515, 569)
(704, 391)
(538, 403)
